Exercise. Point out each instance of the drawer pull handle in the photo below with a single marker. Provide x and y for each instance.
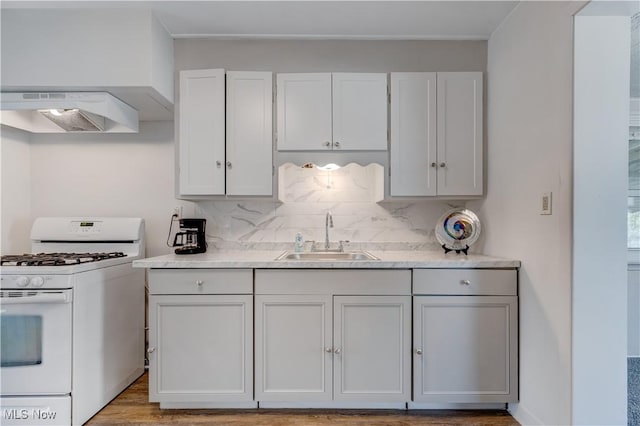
(336, 351)
(419, 351)
(199, 282)
(328, 350)
(465, 282)
(151, 349)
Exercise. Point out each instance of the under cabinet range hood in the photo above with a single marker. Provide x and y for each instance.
(67, 112)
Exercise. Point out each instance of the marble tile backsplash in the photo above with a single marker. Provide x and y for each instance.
(350, 194)
(273, 225)
(350, 183)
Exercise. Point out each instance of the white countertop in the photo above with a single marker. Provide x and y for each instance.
(266, 259)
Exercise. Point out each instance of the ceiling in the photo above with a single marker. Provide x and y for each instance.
(333, 19)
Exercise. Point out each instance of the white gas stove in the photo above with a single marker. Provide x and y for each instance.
(72, 320)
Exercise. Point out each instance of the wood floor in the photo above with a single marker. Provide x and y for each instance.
(131, 407)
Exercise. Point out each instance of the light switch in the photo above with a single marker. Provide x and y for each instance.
(545, 207)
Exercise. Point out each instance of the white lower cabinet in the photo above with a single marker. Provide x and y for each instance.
(293, 347)
(370, 339)
(200, 345)
(333, 348)
(465, 346)
(337, 338)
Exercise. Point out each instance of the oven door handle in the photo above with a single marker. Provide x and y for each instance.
(36, 299)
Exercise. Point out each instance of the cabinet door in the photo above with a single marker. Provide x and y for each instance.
(249, 133)
(201, 133)
(460, 133)
(293, 348)
(465, 349)
(200, 348)
(413, 134)
(359, 111)
(304, 111)
(372, 346)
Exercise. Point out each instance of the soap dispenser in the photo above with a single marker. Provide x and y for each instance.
(299, 243)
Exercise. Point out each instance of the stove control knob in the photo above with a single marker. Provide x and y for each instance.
(37, 281)
(22, 281)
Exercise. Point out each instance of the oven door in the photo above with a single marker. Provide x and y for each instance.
(35, 349)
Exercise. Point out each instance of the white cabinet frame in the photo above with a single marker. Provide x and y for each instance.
(436, 146)
(332, 111)
(249, 143)
(372, 344)
(465, 349)
(293, 347)
(201, 350)
(225, 137)
(201, 132)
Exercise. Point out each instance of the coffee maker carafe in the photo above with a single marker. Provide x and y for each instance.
(191, 237)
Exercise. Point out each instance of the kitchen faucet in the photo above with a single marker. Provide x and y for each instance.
(328, 223)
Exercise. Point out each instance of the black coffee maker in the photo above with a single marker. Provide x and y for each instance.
(190, 239)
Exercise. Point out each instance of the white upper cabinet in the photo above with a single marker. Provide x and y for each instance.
(240, 163)
(460, 133)
(201, 132)
(413, 133)
(324, 111)
(249, 133)
(360, 111)
(436, 134)
(304, 111)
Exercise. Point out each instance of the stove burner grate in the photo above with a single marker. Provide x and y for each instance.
(57, 259)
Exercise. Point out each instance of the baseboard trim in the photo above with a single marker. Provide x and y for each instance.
(195, 405)
(337, 405)
(456, 406)
(522, 415)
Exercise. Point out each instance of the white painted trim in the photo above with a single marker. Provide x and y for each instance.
(473, 37)
(523, 415)
(194, 405)
(455, 406)
(337, 405)
(600, 147)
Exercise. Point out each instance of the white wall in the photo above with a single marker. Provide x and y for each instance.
(15, 156)
(330, 55)
(529, 112)
(107, 175)
(601, 146)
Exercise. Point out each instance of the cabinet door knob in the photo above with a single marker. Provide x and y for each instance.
(443, 165)
(229, 165)
(151, 349)
(465, 282)
(434, 164)
(419, 351)
(218, 163)
(336, 144)
(336, 351)
(328, 350)
(327, 144)
(199, 282)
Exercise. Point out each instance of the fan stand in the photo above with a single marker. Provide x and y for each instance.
(464, 250)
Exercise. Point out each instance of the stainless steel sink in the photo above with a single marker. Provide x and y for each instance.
(327, 255)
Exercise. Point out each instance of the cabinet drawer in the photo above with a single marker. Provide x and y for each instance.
(201, 281)
(465, 281)
(334, 281)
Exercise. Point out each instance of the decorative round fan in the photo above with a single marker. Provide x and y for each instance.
(457, 229)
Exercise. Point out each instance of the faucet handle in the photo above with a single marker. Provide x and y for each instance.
(342, 243)
(313, 244)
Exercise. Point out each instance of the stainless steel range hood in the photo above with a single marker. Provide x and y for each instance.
(62, 112)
